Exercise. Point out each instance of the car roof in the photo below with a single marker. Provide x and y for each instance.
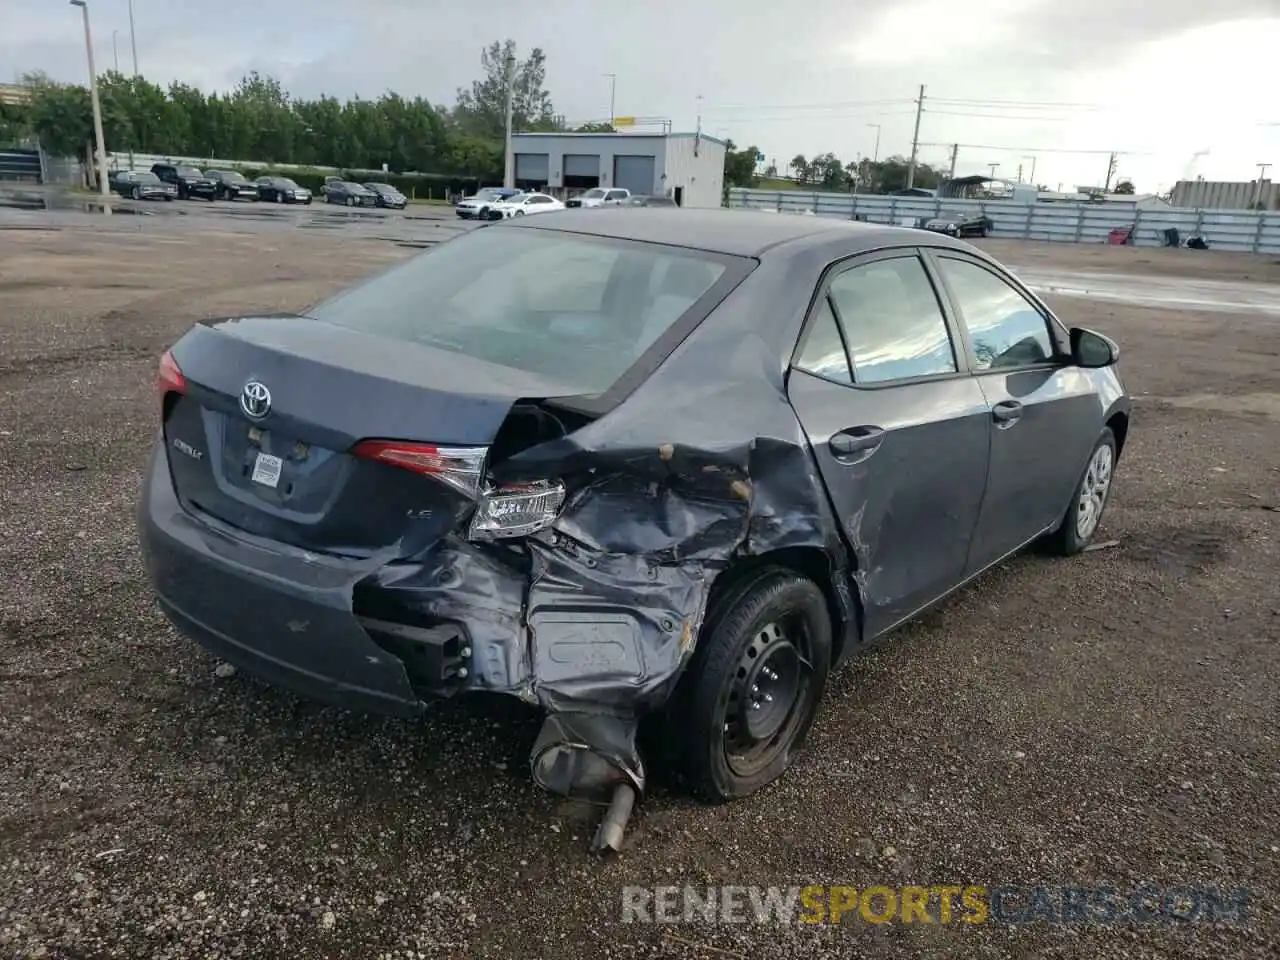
(744, 233)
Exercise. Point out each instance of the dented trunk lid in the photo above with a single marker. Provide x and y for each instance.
(262, 438)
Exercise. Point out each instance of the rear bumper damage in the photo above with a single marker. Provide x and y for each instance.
(593, 618)
(595, 636)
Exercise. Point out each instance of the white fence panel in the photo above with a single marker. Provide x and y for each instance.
(1062, 222)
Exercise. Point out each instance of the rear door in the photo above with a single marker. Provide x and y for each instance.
(898, 427)
(1044, 410)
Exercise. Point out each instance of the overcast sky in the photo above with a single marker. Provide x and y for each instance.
(1181, 87)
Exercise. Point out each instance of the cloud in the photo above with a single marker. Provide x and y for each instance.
(790, 80)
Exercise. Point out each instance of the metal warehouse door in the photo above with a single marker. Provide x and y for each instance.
(532, 166)
(634, 173)
(582, 165)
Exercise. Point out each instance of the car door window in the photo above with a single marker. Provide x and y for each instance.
(1005, 328)
(892, 321)
(823, 353)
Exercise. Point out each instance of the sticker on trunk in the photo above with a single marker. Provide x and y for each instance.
(266, 470)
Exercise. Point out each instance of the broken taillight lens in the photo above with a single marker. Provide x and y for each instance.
(516, 510)
(459, 467)
(169, 378)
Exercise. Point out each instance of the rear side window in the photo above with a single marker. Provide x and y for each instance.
(892, 321)
(578, 310)
(1005, 328)
(823, 353)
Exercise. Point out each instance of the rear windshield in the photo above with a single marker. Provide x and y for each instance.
(146, 178)
(189, 172)
(574, 309)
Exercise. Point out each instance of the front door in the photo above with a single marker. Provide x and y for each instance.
(899, 430)
(1041, 428)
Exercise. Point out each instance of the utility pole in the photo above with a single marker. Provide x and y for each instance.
(97, 105)
(1262, 175)
(955, 151)
(1111, 172)
(994, 167)
(115, 54)
(1033, 168)
(509, 166)
(915, 141)
(1019, 173)
(875, 154)
(133, 39)
(613, 89)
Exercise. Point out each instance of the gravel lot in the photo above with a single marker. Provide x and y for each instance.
(1108, 720)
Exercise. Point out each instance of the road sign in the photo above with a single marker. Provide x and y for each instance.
(759, 158)
(624, 121)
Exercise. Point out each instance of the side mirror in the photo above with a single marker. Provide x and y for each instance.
(1092, 350)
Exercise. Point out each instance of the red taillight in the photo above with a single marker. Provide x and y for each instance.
(169, 378)
(460, 467)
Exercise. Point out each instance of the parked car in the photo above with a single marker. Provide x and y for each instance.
(524, 203)
(232, 185)
(639, 200)
(141, 185)
(477, 205)
(281, 190)
(387, 196)
(600, 197)
(972, 225)
(560, 485)
(351, 194)
(189, 181)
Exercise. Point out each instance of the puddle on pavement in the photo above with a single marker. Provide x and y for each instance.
(67, 204)
(1173, 293)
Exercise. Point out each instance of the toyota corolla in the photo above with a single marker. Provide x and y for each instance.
(619, 464)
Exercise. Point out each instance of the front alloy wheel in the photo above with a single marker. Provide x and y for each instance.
(1083, 516)
(751, 690)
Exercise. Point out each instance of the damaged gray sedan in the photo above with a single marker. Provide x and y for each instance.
(622, 464)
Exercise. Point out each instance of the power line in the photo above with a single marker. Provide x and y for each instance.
(833, 105)
(1025, 118)
(809, 118)
(986, 146)
(1030, 104)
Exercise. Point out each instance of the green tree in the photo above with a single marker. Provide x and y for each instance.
(595, 128)
(800, 168)
(740, 166)
(1125, 186)
(61, 115)
(481, 111)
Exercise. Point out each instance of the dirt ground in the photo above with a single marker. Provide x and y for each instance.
(1111, 720)
(1141, 261)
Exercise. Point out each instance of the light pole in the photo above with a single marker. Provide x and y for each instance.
(613, 89)
(1033, 168)
(133, 40)
(93, 96)
(115, 53)
(509, 165)
(875, 154)
(994, 167)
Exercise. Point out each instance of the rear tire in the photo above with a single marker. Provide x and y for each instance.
(749, 694)
(1092, 494)
(136, 193)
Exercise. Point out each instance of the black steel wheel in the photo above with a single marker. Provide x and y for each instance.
(750, 692)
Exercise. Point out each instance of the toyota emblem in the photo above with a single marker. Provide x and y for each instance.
(255, 399)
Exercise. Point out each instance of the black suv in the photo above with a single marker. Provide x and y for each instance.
(189, 181)
(232, 185)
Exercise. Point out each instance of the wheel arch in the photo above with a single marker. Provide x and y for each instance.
(813, 563)
(1119, 424)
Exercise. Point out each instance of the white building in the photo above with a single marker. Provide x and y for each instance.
(687, 167)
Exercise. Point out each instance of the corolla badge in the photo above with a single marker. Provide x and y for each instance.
(255, 399)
